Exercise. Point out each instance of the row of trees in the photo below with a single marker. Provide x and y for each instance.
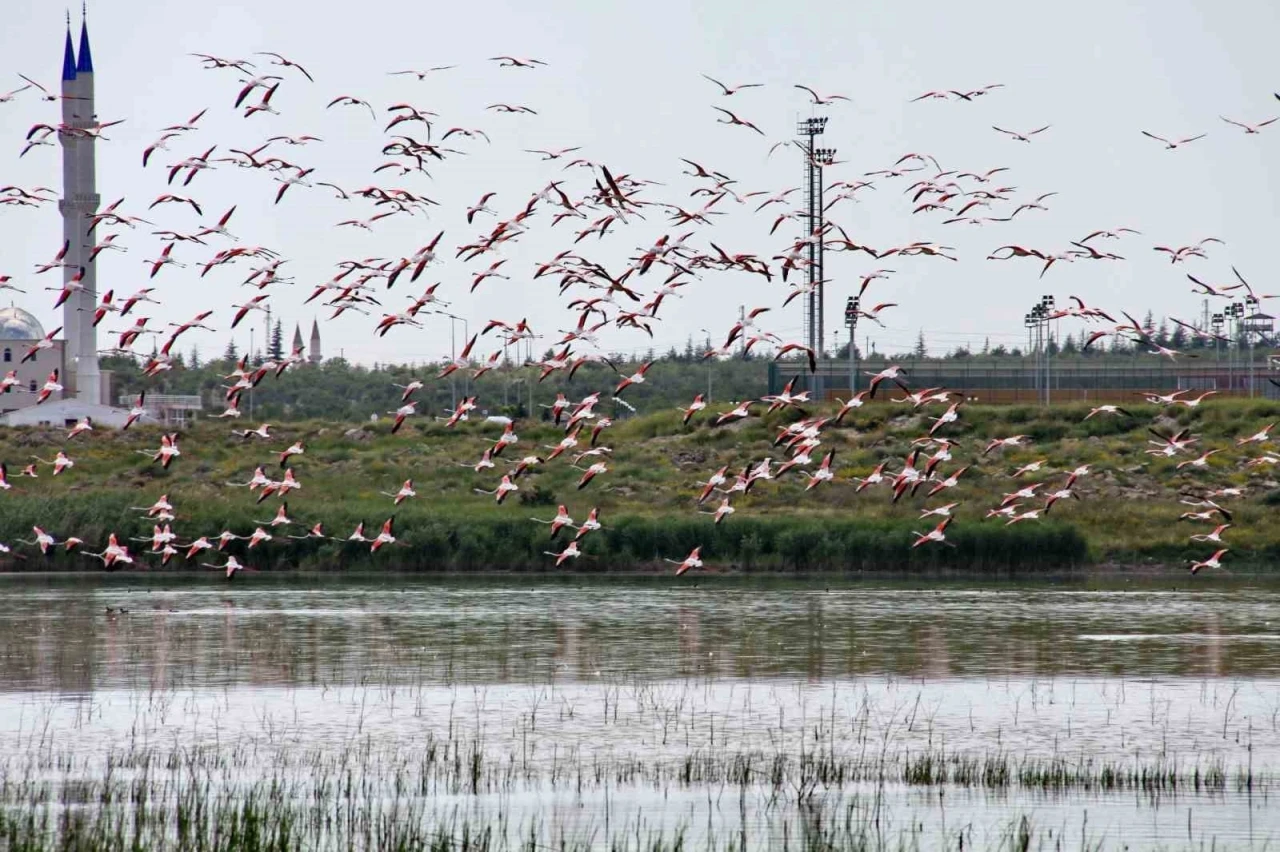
(1165, 333)
(338, 389)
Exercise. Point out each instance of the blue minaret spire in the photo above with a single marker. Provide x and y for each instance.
(68, 54)
(85, 63)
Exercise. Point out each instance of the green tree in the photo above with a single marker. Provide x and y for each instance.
(275, 349)
(232, 354)
(1162, 333)
(922, 349)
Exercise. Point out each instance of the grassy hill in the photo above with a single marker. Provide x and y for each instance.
(1127, 513)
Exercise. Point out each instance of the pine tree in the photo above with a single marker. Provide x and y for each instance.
(986, 346)
(1162, 333)
(275, 349)
(922, 349)
(194, 360)
(232, 354)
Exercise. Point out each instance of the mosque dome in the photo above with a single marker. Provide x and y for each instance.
(17, 324)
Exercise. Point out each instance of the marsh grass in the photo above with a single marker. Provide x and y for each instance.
(1127, 512)
(417, 798)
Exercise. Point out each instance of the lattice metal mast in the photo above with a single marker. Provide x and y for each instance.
(815, 159)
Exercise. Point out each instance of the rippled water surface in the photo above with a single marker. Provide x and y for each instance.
(917, 715)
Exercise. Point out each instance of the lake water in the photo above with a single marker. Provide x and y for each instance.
(621, 713)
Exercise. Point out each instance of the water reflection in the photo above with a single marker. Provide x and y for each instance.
(255, 634)
(635, 683)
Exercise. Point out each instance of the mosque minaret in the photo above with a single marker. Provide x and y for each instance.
(79, 203)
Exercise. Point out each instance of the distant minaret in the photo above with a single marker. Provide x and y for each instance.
(79, 203)
(315, 357)
(297, 339)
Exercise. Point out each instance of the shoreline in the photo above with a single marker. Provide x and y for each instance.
(1112, 571)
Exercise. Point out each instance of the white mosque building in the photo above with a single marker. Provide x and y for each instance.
(75, 356)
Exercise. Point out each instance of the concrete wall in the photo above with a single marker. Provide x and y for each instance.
(66, 412)
(36, 370)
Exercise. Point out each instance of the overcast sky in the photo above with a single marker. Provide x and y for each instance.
(622, 81)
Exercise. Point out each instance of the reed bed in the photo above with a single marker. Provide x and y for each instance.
(453, 795)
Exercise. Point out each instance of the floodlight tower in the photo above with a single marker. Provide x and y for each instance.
(815, 159)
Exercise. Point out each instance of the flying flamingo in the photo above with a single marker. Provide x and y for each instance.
(733, 119)
(938, 533)
(1215, 536)
(407, 410)
(570, 552)
(823, 473)
(722, 511)
(1170, 145)
(1214, 561)
(560, 521)
(60, 462)
(460, 361)
(115, 553)
(698, 404)
(1022, 137)
(693, 560)
(384, 536)
(590, 525)
(296, 449)
(591, 473)
(49, 388)
(1250, 128)
(732, 90)
(232, 567)
(891, 373)
(636, 378)
(505, 487)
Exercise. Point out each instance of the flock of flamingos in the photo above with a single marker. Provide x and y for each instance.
(588, 201)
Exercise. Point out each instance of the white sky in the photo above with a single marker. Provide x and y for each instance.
(623, 82)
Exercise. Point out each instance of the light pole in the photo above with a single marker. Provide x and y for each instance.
(1234, 312)
(1030, 322)
(710, 359)
(852, 306)
(466, 333)
(1250, 324)
(516, 383)
(250, 361)
(1046, 311)
(1038, 320)
(1215, 323)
